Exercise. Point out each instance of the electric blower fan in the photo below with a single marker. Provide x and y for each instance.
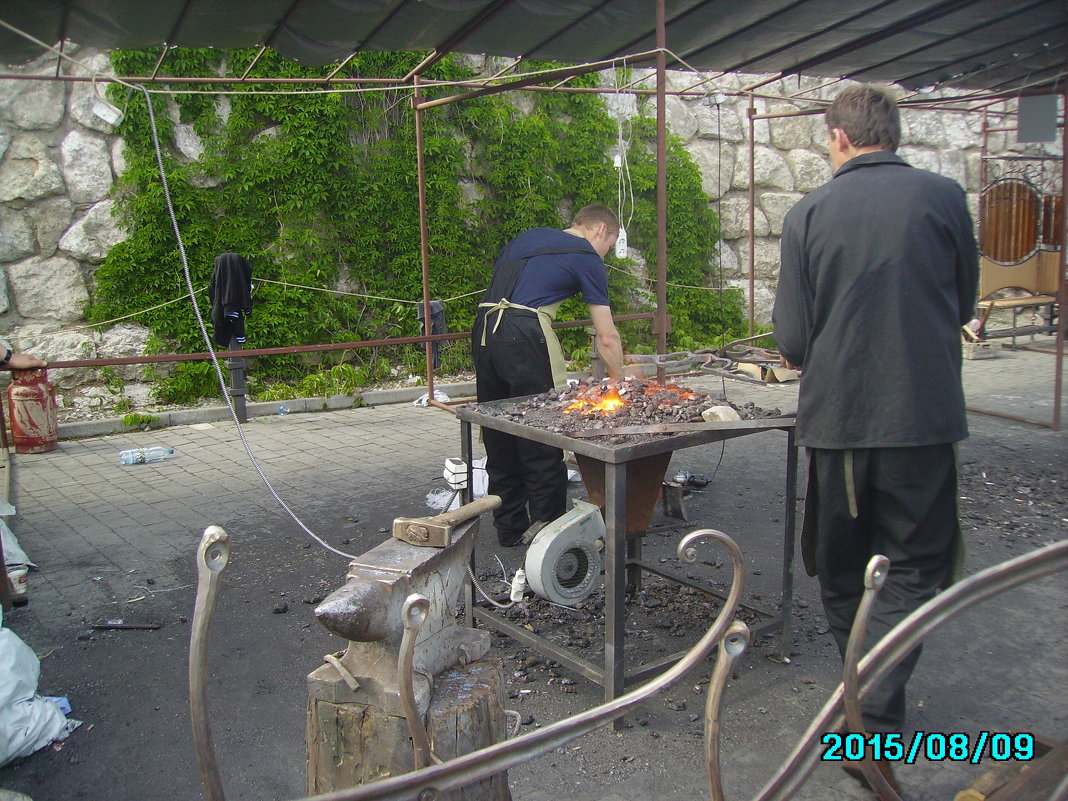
(564, 562)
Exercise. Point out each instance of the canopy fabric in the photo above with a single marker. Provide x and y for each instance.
(999, 45)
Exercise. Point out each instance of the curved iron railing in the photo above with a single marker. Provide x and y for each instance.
(859, 675)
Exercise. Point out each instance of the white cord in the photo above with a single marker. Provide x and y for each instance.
(207, 338)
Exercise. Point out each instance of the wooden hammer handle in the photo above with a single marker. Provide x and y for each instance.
(486, 503)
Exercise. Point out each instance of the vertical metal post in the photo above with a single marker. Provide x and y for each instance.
(1062, 289)
(786, 633)
(750, 113)
(467, 494)
(236, 365)
(424, 235)
(661, 187)
(615, 503)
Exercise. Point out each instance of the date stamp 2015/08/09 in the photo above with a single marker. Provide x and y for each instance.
(930, 745)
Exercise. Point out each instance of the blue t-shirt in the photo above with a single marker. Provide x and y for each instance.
(549, 279)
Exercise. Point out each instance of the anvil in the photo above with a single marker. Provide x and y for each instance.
(367, 613)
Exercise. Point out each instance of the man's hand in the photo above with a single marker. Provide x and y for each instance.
(24, 361)
(787, 365)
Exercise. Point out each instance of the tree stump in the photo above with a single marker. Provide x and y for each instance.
(351, 743)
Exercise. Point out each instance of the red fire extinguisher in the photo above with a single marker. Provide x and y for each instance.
(32, 406)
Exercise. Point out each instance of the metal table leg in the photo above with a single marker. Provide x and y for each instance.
(786, 640)
(615, 579)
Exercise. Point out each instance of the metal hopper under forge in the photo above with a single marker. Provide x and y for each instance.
(623, 445)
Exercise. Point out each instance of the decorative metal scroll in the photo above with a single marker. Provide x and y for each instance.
(428, 783)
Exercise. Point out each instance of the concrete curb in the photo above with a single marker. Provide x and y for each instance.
(210, 414)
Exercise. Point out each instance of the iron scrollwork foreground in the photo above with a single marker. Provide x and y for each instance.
(428, 783)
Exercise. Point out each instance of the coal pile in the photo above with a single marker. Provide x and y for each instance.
(633, 402)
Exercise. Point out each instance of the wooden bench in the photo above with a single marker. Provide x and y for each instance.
(1034, 282)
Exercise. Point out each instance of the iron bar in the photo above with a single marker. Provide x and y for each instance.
(424, 234)
(213, 554)
(520, 83)
(660, 328)
(751, 240)
(731, 647)
(365, 343)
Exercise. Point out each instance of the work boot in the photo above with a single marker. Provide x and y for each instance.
(532, 532)
(884, 767)
(510, 539)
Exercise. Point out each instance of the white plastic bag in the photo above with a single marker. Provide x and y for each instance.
(28, 721)
(13, 553)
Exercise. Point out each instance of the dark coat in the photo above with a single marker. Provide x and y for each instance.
(879, 271)
(231, 297)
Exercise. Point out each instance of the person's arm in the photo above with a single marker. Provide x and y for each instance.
(20, 361)
(609, 343)
(792, 315)
(967, 261)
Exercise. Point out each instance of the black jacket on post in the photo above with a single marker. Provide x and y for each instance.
(231, 297)
(879, 271)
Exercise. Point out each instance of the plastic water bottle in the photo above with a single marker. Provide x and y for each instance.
(156, 453)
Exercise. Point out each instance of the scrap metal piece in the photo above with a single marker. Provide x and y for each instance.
(212, 558)
(436, 532)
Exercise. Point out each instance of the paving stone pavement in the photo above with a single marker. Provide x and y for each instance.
(96, 527)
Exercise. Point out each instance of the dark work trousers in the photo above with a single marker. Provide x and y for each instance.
(515, 362)
(905, 508)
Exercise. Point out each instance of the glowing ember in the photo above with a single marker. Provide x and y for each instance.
(670, 389)
(604, 405)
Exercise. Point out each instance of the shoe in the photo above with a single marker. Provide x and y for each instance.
(884, 767)
(532, 532)
(510, 540)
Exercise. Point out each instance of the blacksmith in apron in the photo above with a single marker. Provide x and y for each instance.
(517, 353)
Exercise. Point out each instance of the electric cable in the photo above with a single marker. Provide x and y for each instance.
(207, 339)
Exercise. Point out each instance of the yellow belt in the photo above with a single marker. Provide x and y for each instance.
(546, 315)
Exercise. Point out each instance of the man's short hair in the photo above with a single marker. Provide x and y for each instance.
(869, 117)
(593, 215)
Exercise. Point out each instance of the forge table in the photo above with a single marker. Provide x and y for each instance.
(623, 563)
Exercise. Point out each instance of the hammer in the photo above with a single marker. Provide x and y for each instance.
(436, 532)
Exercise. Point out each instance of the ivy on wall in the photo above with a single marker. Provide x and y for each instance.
(320, 189)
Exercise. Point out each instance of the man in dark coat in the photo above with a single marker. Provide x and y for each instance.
(879, 272)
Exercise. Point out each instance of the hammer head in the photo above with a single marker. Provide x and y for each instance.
(423, 531)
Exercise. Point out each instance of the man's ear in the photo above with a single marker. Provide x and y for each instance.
(840, 140)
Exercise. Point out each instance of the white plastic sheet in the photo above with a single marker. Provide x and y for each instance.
(13, 553)
(28, 721)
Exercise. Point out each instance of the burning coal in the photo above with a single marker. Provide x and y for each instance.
(594, 405)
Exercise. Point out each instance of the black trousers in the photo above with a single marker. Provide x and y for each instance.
(529, 477)
(903, 505)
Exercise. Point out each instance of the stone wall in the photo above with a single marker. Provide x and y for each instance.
(59, 160)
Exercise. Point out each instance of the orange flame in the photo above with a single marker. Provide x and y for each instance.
(609, 402)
